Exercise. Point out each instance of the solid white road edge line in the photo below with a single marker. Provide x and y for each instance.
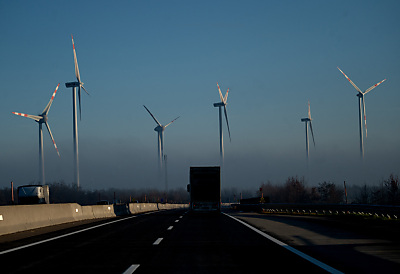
(299, 253)
(158, 241)
(69, 234)
(131, 269)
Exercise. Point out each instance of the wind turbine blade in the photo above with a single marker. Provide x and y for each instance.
(51, 135)
(34, 117)
(309, 111)
(153, 116)
(226, 96)
(220, 94)
(84, 89)
(162, 145)
(226, 117)
(374, 86)
(79, 99)
(172, 121)
(47, 108)
(365, 117)
(76, 61)
(351, 82)
(312, 133)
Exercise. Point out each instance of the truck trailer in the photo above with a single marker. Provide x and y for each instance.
(33, 194)
(205, 188)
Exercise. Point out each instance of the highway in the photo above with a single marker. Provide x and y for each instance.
(174, 241)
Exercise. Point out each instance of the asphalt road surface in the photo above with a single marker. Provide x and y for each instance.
(162, 242)
(347, 244)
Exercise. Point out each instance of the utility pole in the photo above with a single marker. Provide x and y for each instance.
(12, 192)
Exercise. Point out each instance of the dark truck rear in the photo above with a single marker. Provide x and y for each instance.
(205, 188)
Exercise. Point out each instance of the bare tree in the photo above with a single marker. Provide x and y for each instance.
(329, 193)
(392, 190)
(295, 190)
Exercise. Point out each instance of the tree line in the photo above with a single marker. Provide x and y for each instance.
(293, 190)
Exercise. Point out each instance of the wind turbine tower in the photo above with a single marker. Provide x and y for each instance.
(221, 105)
(361, 110)
(42, 119)
(78, 84)
(308, 121)
(160, 136)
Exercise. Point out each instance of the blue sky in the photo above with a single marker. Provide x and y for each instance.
(274, 56)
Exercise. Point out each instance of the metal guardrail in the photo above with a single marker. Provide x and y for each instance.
(390, 212)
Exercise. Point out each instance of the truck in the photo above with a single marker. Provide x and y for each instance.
(205, 188)
(33, 194)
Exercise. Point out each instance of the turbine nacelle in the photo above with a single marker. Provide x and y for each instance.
(72, 84)
(44, 119)
(159, 128)
(220, 104)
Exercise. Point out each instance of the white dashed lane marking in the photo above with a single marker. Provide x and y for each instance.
(158, 241)
(131, 269)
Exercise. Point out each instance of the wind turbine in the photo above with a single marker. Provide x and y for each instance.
(160, 130)
(223, 104)
(306, 121)
(42, 119)
(361, 107)
(74, 85)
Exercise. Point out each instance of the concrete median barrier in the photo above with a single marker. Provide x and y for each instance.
(102, 211)
(24, 217)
